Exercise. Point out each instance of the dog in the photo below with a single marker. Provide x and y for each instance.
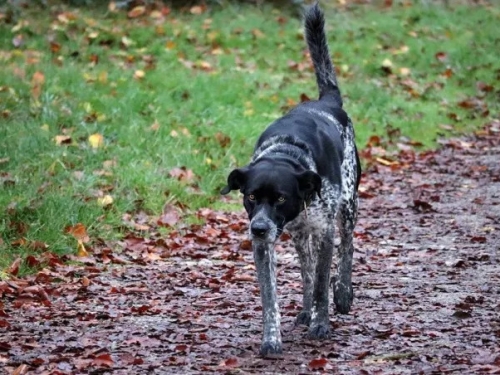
(304, 175)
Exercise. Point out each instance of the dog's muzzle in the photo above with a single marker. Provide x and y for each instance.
(259, 228)
(262, 228)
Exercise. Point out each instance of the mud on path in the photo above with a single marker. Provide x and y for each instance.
(426, 275)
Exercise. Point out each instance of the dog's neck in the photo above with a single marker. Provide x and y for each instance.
(291, 147)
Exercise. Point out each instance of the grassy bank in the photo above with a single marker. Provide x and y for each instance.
(103, 115)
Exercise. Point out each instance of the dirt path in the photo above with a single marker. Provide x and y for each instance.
(427, 287)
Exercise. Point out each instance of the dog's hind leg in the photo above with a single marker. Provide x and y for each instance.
(342, 292)
(323, 243)
(265, 262)
(307, 257)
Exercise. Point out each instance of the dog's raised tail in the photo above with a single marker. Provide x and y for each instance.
(318, 48)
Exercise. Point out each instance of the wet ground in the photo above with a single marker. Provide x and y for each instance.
(426, 279)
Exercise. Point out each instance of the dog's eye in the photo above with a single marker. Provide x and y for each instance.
(281, 199)
(251, 197)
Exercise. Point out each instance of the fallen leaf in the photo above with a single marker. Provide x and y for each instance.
(21, 370)
(78, 231)
(387, 66)
(137, 11)
(169, 217)
(404, 71)
(139, 74)
(258, 34)
(318, 363)
(37, 82)
(230, 363)
(441, 56)
(62, 140)
(197, 9)
(182, 174)
(104, 360)
(18, 40)
(85, 281)
(105, 201)
(223, 139)
(96, 140)
(81, 251)
(170, 45)
(14, 267)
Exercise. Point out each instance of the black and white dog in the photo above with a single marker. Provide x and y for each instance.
(303, 176)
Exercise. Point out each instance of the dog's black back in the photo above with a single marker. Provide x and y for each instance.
(323, 139)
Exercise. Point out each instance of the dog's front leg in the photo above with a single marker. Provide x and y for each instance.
(320, 323)
(307, 269)
(265, 262)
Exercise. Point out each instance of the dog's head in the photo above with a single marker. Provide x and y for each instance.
(274, 193)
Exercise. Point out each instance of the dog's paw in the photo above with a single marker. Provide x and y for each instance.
(342, 297)
(319, 331)
(304, 318)
(269, 348)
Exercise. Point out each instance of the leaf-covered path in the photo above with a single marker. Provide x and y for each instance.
(426, 274)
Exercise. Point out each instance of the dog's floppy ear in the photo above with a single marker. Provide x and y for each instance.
(236, 180)
(309, 183)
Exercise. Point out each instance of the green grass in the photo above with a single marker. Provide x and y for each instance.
(247, 82)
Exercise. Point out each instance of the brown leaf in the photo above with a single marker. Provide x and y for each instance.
(246, 245)
(78, 231)
(85, 281)
(37, 82)
(411, 332)
(19, 242)
(258, 34)
(55, 47)
(362, 355)
(422, 206)
(103, 360)
(441, 56)
(182, 174)
(198, 9)
(181, 348)
(32, 261)
(38, 246)
(481, 86)
(21, 370)
(170, 216)
(223, 139)
(14, 267)
(318, 363)
(478, 239)
(244, 277)
(447, 73)
(230, 362)
(137, 11)
(62, 140)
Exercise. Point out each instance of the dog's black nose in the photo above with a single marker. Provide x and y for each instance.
(259, 228)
